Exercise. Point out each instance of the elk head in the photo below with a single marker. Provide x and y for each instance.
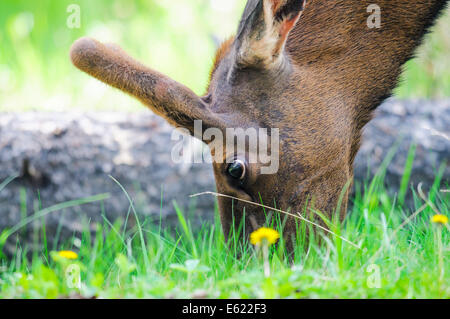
(256, 84)
(299, 75)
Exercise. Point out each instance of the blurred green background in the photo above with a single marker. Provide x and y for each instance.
(176, 37)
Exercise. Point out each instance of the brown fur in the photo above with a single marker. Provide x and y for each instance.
(319, 88)
(221, 52)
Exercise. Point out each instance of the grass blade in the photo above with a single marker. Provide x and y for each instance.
(7, 181)
(43, 212)
(138, 223)
(406, 174)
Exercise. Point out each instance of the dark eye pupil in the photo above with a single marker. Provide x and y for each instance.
(236, 170)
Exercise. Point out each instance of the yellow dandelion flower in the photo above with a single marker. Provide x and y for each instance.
(68, 254)
(264, 234)
(439, 219)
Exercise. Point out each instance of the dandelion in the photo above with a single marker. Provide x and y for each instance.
(68, 254)
(264, 236)
(439, 219)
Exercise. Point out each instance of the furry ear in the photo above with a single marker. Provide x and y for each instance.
(167, 98)
(264, 29)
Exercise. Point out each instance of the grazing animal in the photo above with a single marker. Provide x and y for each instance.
(316, 70)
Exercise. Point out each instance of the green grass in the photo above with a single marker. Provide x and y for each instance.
(150, 261)
(403, 247)
(36, 74)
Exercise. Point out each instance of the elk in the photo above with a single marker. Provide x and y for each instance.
(313, 69)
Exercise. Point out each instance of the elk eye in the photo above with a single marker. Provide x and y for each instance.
(236, 169)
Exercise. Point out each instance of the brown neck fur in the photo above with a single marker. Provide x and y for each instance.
(333, 41)
(363, 64)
